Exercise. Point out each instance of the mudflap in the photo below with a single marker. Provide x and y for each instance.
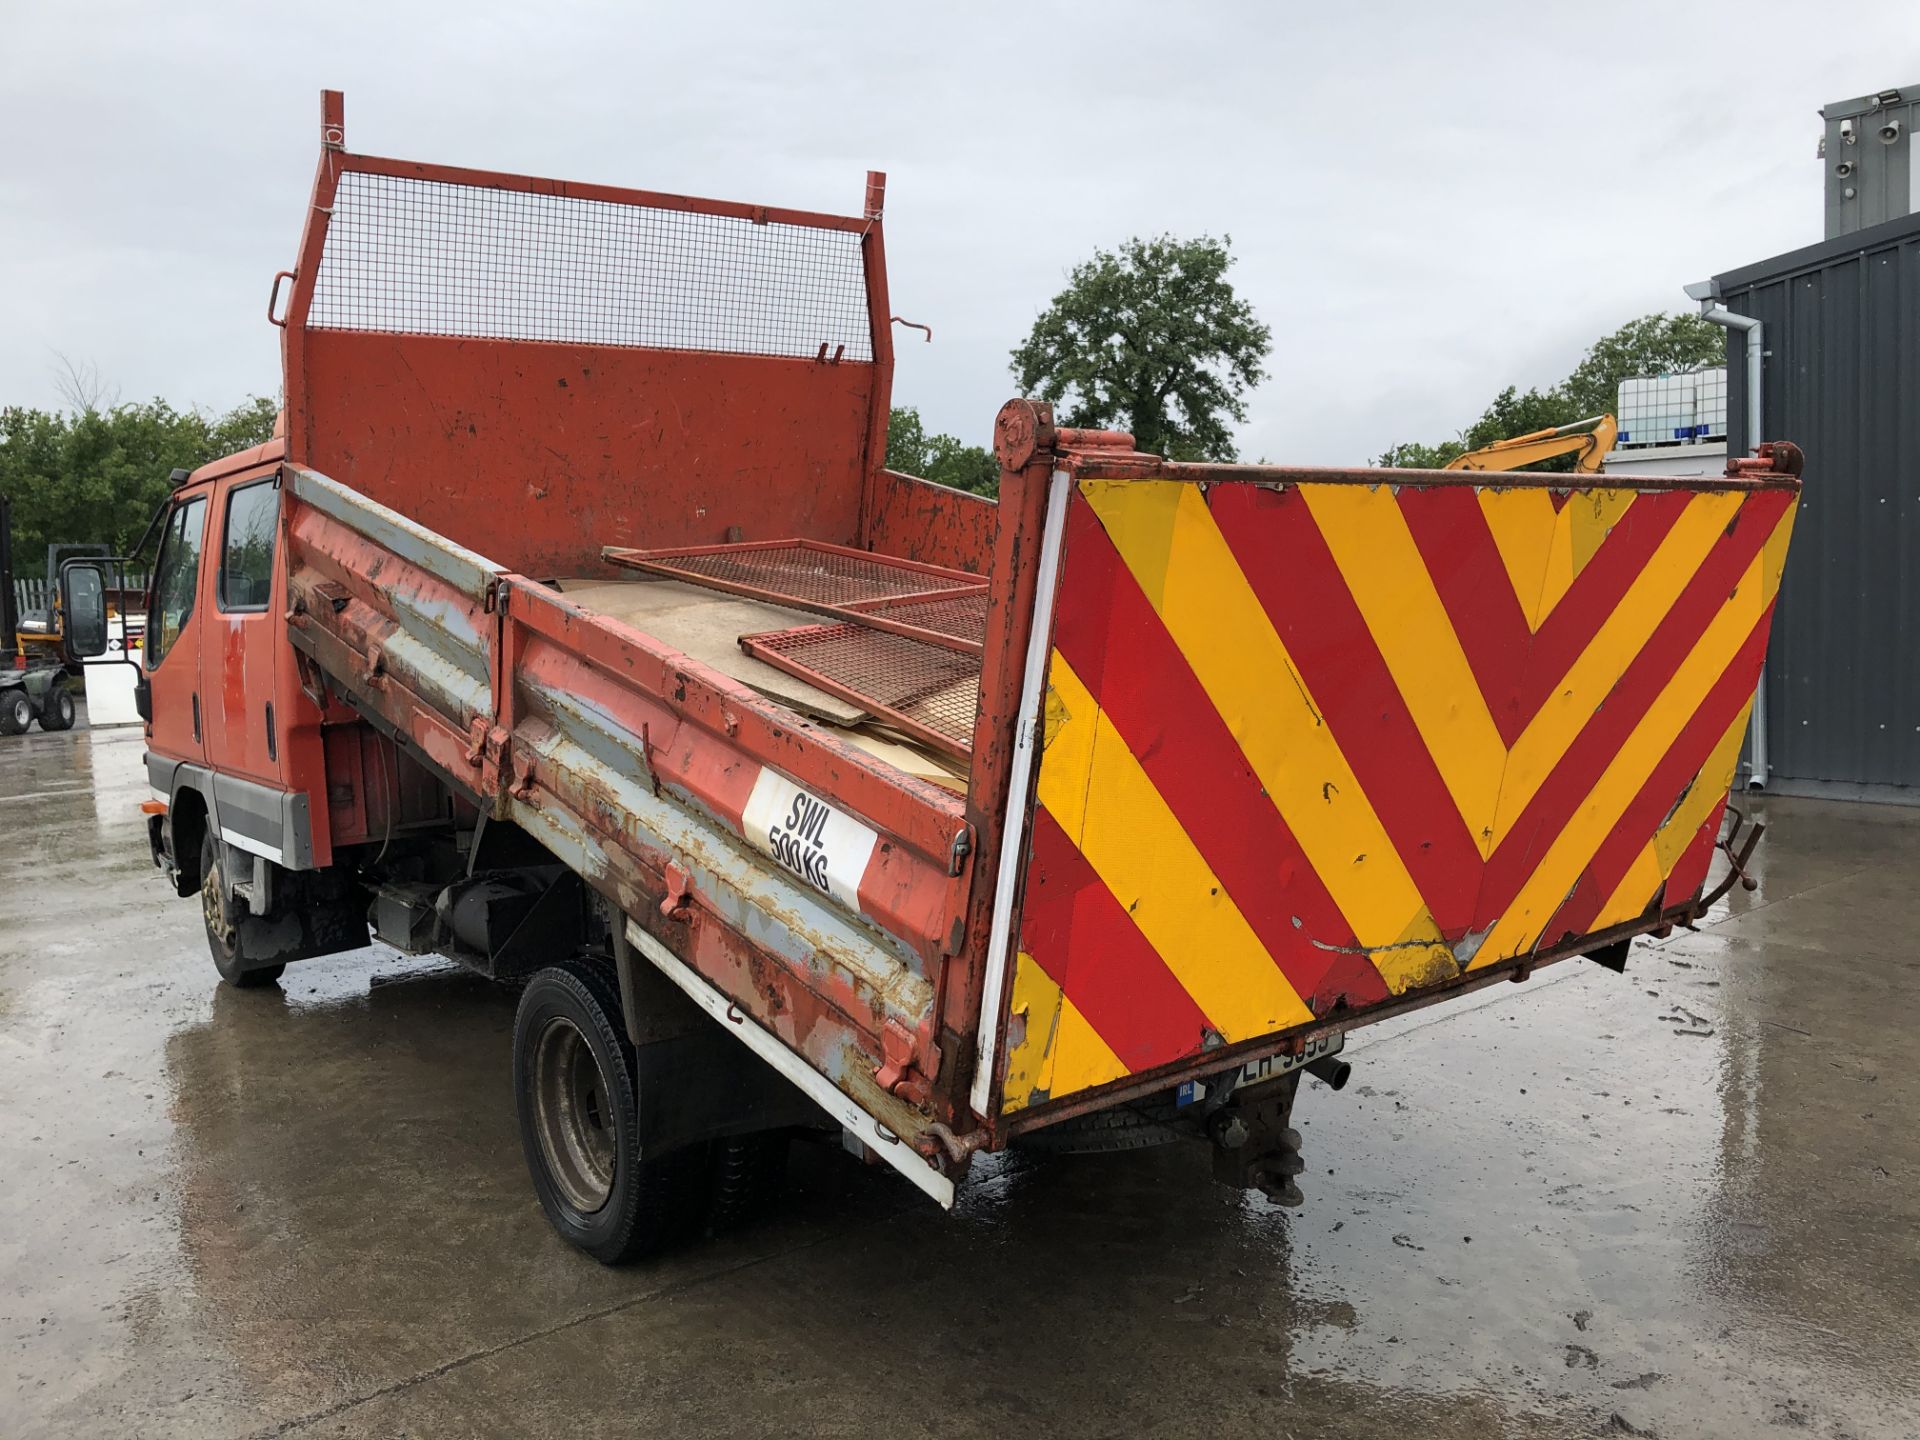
(695, 1082)
(315, 913)
(702, 1085)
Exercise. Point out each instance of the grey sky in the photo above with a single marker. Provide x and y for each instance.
(1428, 201)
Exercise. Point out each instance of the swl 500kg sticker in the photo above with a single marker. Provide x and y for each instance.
(823, 846)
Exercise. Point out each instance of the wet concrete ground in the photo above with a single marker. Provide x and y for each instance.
(1679, 1203)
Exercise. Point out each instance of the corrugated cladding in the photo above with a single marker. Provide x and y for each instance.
(1842, 380)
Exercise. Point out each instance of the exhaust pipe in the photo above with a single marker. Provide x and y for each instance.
(1331, 1071)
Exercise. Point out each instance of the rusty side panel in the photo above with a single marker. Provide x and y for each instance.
(373, 788)
(638, 767)
(643, 712)
(390, 629)
(784, 954)
(933, 524)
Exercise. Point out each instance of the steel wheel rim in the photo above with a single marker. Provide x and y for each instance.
(573, 1116)
(213, 907)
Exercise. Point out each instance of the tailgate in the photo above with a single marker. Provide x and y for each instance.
(1313, 744)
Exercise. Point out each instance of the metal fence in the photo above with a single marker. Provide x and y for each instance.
(32, 592)
(1842, 370)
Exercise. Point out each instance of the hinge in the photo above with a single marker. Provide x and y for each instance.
(522, 773)
(678, 904)
(897, 1074)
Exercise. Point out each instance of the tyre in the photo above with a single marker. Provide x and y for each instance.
(16, 712)
(573, 1085)
(224, 939)
(748, 1174)
(56, 709)
(1136, 1125)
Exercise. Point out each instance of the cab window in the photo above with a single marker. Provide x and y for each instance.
(246, 546)
(176, 580)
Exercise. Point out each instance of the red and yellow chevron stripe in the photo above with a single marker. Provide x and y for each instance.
(1309, 747)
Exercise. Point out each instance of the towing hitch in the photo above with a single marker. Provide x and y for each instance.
(1254, 1145)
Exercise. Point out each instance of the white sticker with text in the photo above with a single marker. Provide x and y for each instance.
(824, 847)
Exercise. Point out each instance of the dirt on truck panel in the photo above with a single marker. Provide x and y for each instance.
(1093, 818)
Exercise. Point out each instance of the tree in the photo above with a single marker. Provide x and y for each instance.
(1412, 455)
(1651, 345)
(942, 459)
(81, 385)
(1150, 338)
(98, 475)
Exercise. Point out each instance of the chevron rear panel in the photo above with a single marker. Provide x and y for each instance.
(1314, 746)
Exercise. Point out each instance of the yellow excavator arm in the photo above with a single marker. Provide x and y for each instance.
(1588, 439)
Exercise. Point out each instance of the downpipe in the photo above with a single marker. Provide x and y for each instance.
(1754, 334)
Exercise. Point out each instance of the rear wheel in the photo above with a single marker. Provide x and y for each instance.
(224, 939)
(16, 712)
(56, 709)
(573, 1085)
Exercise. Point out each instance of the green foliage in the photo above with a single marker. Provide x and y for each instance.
(1412, 455)
(98, 475)
(1651, 345)
(1513, 413)
(1151, 339)
(942, 459)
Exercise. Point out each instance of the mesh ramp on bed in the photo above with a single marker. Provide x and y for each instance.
(927, 691)
(906, 640)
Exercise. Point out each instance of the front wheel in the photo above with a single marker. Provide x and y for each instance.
(224, 939)
(16, 712)
(573, 1085)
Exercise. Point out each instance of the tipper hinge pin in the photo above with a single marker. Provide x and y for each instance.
(896, 1074)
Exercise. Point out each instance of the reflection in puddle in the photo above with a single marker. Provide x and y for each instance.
(1531, 1211)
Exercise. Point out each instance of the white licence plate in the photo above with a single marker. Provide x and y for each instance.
(1268, 1067)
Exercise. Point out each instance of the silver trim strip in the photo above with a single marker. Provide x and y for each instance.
(1013, 837)
(252, 846)
(467, 572)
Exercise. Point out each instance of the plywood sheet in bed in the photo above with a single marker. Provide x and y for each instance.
(706, 626)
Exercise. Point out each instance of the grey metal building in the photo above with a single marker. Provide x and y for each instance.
(1841, 378)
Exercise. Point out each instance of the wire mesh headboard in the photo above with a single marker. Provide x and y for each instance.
(438, 257)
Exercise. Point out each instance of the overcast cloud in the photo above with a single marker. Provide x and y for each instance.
(1428, 201)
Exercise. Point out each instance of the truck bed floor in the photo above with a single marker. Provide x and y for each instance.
(707, 626)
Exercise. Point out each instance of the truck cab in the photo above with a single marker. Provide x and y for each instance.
(232, 743)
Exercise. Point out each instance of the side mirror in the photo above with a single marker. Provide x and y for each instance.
(83, 608)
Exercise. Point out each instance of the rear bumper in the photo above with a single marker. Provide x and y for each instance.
(1606, 946)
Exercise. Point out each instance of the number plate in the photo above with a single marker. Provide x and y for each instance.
(1268, 1067)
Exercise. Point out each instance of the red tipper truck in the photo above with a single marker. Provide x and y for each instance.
(575, 629)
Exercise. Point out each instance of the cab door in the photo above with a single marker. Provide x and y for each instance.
(238, 664)
(171, 647)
